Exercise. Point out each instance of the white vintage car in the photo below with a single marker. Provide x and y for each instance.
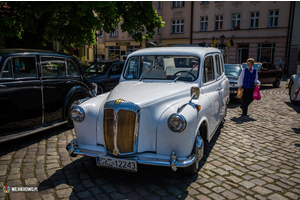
(168, 101)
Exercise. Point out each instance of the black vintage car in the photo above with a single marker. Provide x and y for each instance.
(37, 90)
(105, 74)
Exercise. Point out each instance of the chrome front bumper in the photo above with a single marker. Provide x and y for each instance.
(172, 162)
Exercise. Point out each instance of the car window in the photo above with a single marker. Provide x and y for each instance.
(72, 70)
(264, 66)
(208, 71)
(232, 69)
(7, 71)
(116, 69)
(271, 66)
(53, 67)
(218, 66)
(20, 67)
(181, 68)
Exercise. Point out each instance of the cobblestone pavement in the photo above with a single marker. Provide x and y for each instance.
(249, 158)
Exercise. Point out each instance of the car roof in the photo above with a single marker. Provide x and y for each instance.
(183, 50)
(20, 51)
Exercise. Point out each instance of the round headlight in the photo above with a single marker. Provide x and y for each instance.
(77, 114)
(176, 122)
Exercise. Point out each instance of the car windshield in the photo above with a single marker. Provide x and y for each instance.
(255, 66)
(162, 67)
(96, 69)
(233, 70)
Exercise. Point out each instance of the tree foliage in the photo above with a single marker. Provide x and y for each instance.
(30, 24)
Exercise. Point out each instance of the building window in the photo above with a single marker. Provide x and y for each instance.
(115, 33)
(265, 53)
(204, 2)
(114, 52)
(158, 31)
(177, 26)
(254, 19)
(159, 5)
(131, 49)
(203, 23)
(235, 21)
(219, 22)
(177, 4)
(273, 18)
(101, 33)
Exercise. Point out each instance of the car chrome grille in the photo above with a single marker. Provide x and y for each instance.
(121, 127)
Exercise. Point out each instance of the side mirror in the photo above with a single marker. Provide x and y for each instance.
(195, 93)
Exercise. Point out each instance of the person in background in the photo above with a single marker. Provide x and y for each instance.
(281, 64)
(248, 79)
(98, 59)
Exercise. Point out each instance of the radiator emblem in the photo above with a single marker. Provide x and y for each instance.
(118, 101)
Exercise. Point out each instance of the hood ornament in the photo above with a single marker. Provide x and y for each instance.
(119, 101)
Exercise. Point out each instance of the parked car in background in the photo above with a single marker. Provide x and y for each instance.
(37, 90)
(233, 71)
(168, 101)
(267, 73)
(105, 74)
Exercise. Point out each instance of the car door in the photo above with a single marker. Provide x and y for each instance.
(20, 95)
(113, 75)
(272, 72)
(263, 74)
(59, 76)
(221, 84)
(212, 90)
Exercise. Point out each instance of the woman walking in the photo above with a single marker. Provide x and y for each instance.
(248, 80)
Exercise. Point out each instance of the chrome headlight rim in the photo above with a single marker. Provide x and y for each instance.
(179, 118)
(77, 114)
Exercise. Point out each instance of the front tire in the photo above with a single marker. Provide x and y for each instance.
(194, 168)
(292, 93)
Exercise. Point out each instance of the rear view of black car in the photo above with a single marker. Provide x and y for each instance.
(105, 75)
(37, 90)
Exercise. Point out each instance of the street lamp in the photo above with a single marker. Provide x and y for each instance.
(97, 35)
(222, 37)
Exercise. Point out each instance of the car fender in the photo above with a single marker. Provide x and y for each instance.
(182, 142)
(73, 92)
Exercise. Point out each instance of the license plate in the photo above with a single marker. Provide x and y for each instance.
(128, 165)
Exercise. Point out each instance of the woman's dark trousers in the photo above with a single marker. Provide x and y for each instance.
(247, 99)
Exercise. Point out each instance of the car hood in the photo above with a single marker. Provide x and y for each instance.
(145, 93)
(232, 78)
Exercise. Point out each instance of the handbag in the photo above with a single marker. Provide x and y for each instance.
(240, 93)
(256, 93)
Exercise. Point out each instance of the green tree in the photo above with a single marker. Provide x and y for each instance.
(30, 24)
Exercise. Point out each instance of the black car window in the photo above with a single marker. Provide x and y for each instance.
(271, 66)
(116, 69)
(7, 72)
(20, 67)
(53, 67)
(264, 66)
(71, 69)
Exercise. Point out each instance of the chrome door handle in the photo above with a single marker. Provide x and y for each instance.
(219, 88)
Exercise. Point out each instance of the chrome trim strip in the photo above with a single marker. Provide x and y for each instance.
(172, 162)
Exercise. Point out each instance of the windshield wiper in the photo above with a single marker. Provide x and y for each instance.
(188, 72)
(150, 69)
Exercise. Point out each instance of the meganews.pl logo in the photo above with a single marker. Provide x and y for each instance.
(6, 189)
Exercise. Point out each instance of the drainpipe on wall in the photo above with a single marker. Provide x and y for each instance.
(289, 38)
(192, 17)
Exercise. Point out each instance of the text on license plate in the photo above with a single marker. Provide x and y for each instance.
(117, 163)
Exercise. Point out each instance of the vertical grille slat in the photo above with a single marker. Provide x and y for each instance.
(108, 129)
(120, 127)
(125, 130)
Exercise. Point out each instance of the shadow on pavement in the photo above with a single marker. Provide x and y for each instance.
(296, 130)
(23, 142)
(242, 119)
(294, 106)
(89, 180)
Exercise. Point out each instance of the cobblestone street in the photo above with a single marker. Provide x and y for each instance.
(248, 158)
